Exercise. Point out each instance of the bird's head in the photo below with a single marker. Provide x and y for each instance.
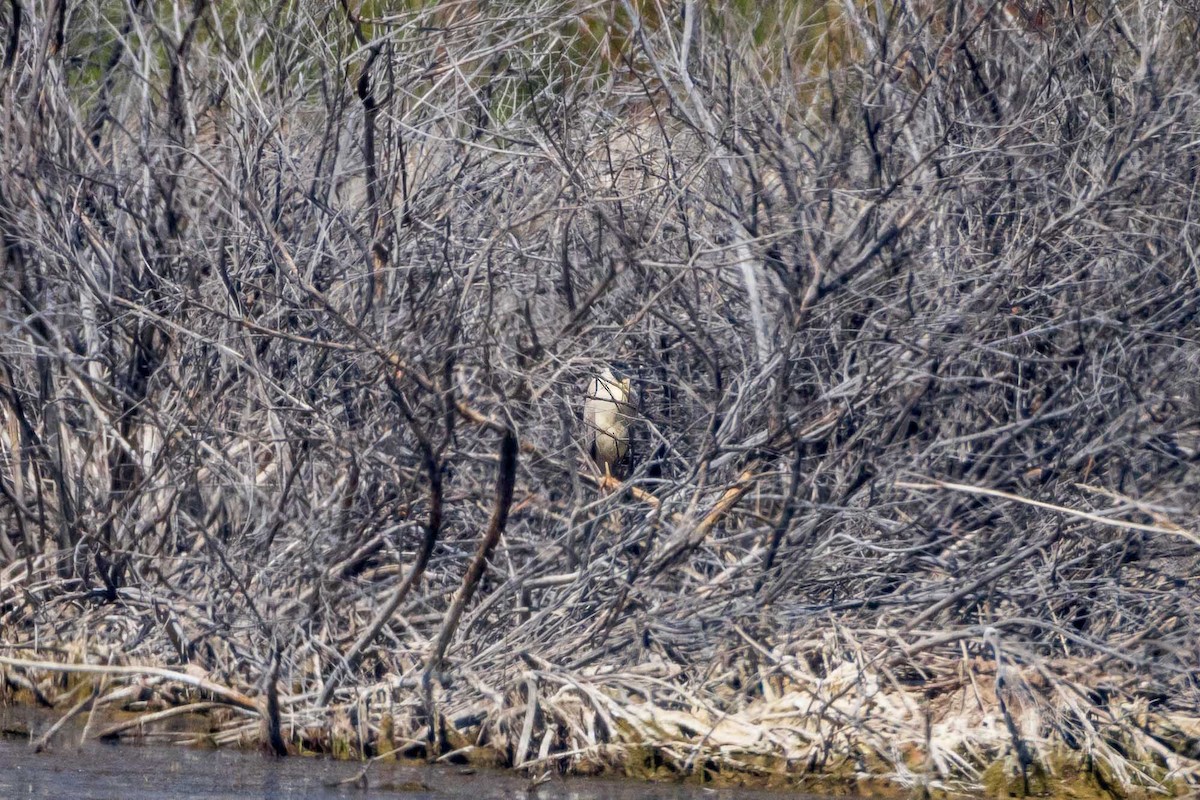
(609, 387)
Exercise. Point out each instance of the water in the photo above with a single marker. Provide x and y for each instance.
(101, 771)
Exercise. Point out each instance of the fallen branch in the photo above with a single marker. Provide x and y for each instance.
(117, 728)
(230, 696)
(1113, 523)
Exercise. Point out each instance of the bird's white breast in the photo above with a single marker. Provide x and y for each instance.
(607, 413)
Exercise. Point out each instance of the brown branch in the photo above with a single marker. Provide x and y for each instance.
(14, 34)
(681, 546)
(504, 494)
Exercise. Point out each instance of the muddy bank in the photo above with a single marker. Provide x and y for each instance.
(74, 765)
(860, 728)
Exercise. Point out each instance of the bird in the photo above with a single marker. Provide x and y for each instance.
(607, 413)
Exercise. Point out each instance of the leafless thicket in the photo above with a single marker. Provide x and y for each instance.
(300, 305)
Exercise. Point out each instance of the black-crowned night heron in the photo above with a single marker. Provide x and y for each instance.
(608, 415)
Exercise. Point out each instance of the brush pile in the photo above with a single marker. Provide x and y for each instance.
(299, 304)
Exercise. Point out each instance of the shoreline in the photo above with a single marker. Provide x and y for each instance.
(895, 485)
(867, 733)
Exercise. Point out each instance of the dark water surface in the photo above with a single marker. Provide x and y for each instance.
(100, 771)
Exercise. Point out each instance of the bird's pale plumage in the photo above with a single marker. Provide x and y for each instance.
(607, 413)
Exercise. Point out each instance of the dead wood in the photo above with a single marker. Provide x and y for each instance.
(907, 299)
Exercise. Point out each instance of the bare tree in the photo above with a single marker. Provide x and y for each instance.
(906, 292)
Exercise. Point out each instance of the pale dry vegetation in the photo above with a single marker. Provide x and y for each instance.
(300, 302)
